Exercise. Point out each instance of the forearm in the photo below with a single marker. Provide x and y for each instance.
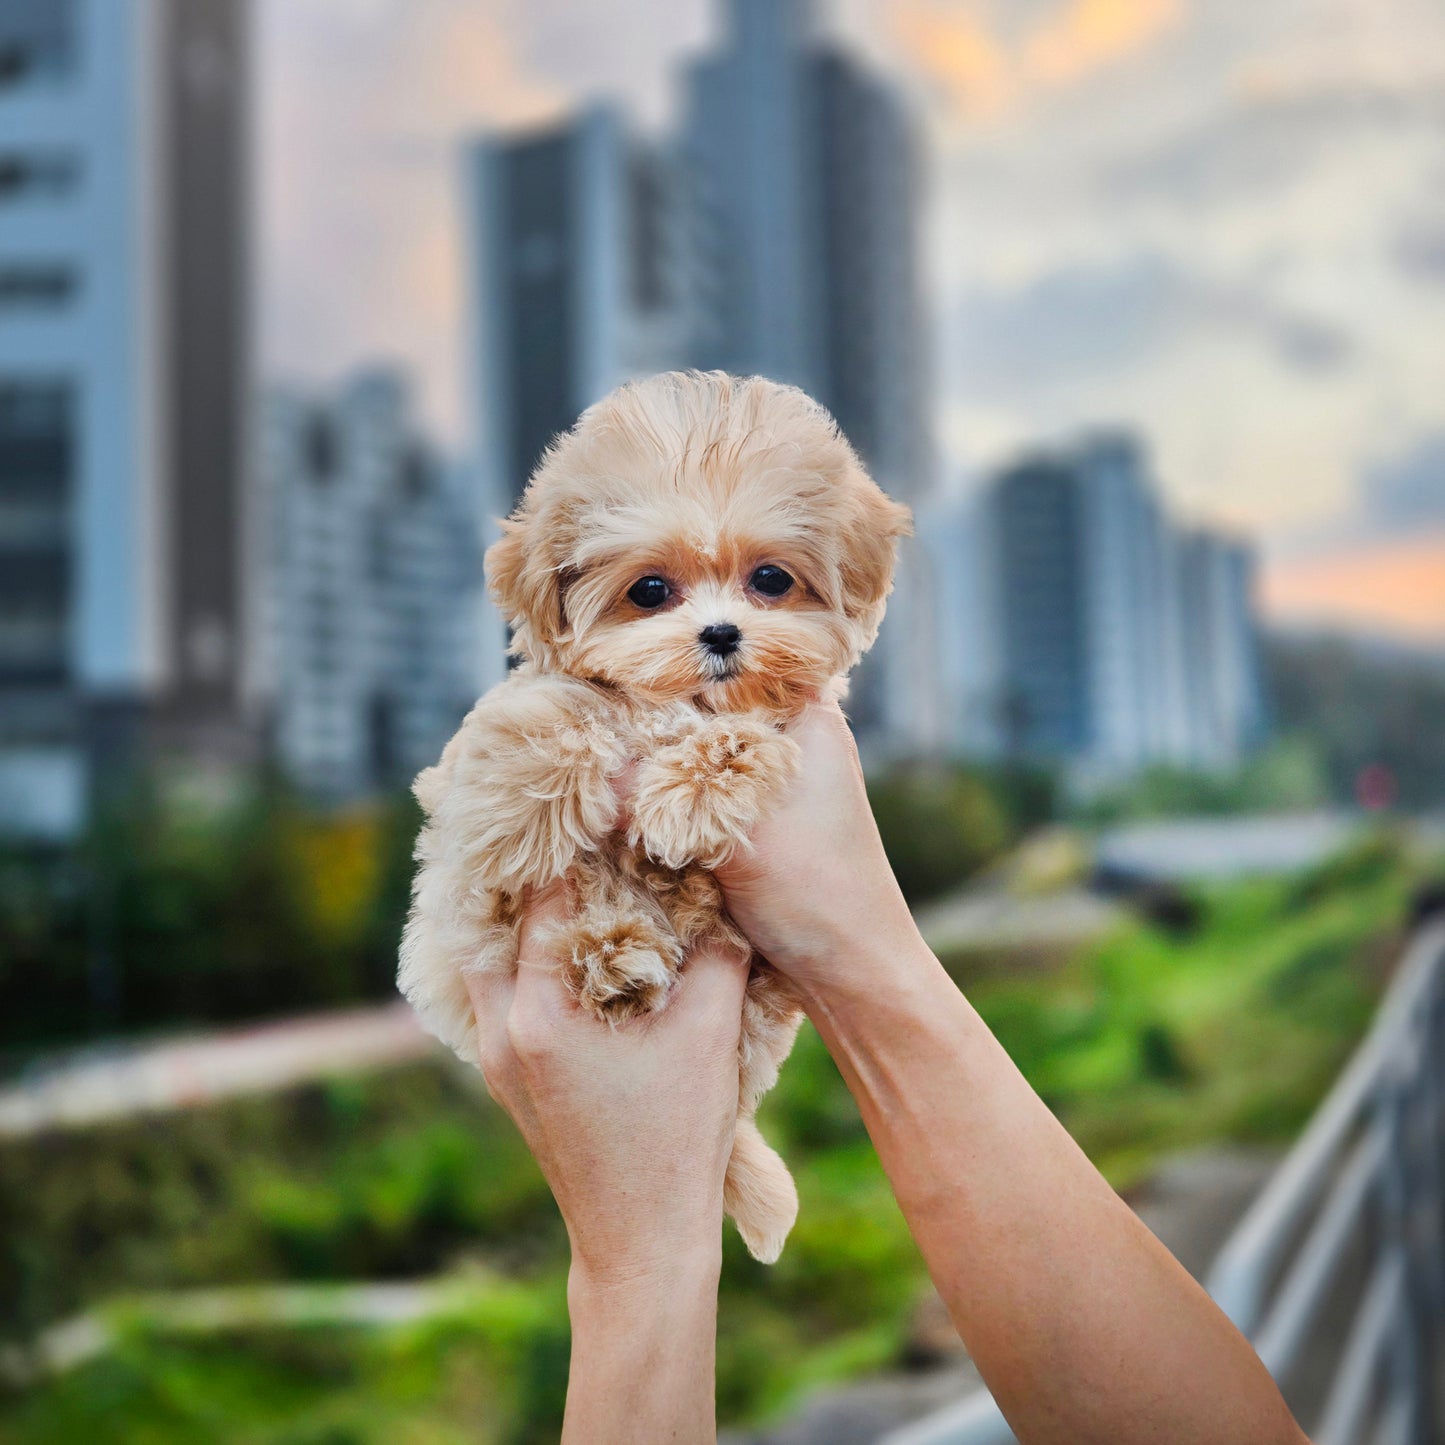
(1083, 1325)
(643, 1354)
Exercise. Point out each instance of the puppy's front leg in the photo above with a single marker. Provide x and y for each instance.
(524, 786)
(697, 799)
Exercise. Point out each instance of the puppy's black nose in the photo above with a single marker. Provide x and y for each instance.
(720, 638)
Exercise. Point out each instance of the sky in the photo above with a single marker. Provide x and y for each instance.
(1219, 222)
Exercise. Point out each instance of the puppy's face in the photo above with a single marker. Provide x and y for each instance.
(700, 537)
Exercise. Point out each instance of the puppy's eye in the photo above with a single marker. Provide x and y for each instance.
(771, 581)
(649, 592)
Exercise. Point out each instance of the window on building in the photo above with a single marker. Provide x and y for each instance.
(383, 752)
(415, 474)
(320, 443)
(37, 175)
(34, 602)
(647, 199)
(35, 565)
(33, 642)
(37, 41)
(378, 546)
(38, 284)
(30, 521)
(36, 441)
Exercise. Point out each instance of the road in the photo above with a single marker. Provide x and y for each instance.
(192, 1069)
(1179, 849)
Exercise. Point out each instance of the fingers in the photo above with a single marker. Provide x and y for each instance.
(713, 982)
(822, 726)
(541, 999)
(542, 912)
(493, 993)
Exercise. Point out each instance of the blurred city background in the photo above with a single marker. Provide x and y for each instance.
(1140, 304)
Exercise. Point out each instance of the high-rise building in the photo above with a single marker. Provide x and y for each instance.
(575, 287)
(574, 284)
(1128, 620)
(752, 152)
(1042, 692)
(1224, 706)
(368, 547)
(1114, 640)
(804, 197)
(123, 374)
(804, 193)
(776, 234)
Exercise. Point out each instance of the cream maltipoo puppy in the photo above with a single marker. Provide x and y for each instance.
(691, 564)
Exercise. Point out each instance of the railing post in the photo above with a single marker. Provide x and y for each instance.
(1392, 1115)
(1431, 1212)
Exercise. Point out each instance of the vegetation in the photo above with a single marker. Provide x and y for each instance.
(1363, 707)
(1288, 775)
(1145, 1043)
(172, 914)
(1339, 709)
(169, 914)
(942, 823)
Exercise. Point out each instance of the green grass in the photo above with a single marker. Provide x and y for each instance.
(1145, 1043)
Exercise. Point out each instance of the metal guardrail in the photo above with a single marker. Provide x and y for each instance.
(1337, 1271)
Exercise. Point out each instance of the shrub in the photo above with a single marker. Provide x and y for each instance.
(161, 916)
(940, 825)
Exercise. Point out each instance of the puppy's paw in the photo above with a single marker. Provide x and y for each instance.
(620, 966)
(696, 800)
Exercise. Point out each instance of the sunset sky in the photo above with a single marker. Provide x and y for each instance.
(1221, 222)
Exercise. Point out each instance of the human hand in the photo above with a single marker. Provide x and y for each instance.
(815, 892)
(631, 1125)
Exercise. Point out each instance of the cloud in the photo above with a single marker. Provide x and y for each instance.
(1395, 587)
(1420, 249)
(984, 57)
(1087, 35)
(957, 51)
(1247, 275)
(1107, 317)
(1407, 492)
(363, 109)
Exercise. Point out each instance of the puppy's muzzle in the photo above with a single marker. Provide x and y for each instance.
(720, 638)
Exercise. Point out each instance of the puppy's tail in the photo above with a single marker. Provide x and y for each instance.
(759, 1193)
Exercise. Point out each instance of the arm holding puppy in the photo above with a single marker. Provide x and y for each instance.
(1083, 1325)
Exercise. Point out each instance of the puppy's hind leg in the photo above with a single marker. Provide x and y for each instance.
(450, 933)
(620, 954)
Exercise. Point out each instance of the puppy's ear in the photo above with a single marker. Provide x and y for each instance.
(525, 584)
(870, 549)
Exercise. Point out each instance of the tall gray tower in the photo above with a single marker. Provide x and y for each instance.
(802, 176)
(123, 376)
(575, 287)
(775, 234)
(802, 172)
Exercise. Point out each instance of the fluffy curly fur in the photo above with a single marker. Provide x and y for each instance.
(700, 480)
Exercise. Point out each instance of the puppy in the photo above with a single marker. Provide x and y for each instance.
(697, 559)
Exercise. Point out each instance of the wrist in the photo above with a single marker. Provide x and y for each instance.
(643, 1349)
(661, 1271)
(664, 1298)
(863, 964)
